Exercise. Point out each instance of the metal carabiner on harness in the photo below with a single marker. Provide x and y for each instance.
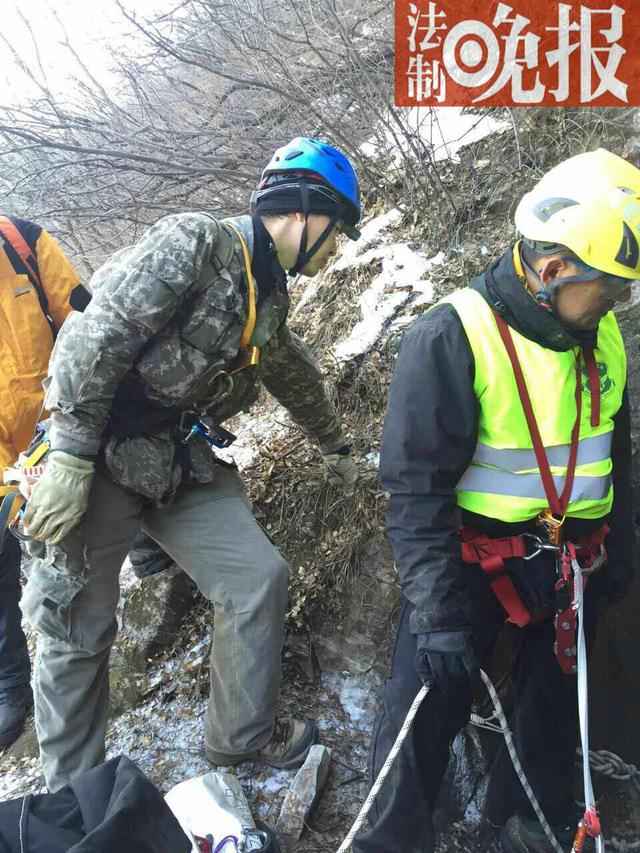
(539, 544)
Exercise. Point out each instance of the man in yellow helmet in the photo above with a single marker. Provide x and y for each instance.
(506, 445)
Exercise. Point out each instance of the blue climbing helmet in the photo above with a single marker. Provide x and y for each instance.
(310, 176)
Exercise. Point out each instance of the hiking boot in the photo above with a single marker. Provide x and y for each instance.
(289, 746)
(525, 835)
(15, 702)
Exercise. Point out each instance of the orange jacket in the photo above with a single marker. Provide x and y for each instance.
(26, 337)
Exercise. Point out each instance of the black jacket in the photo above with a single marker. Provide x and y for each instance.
(112, 808)
(430, 436)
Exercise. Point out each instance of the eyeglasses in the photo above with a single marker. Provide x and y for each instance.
(613, 284)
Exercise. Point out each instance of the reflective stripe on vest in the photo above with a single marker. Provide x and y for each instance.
(596, 448)
(503, 480)
(478, 479)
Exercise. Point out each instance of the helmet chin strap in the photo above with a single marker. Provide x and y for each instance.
(544, 295)
(305, 255)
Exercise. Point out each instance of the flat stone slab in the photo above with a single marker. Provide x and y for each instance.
(305, 790)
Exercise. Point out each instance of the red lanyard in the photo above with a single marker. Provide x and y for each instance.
(557, 505)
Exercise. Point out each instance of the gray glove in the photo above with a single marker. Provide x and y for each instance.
(60, 498)
(447, 659)
(341, 470)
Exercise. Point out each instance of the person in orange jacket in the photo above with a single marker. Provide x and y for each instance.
(38, 289)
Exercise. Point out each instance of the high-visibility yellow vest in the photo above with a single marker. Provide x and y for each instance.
(503, 480)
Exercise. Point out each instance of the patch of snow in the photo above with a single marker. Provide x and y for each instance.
(370, 233)
(448, 129)
(473, 814)
(444, 129)
(356, 252)
(253, 432)
(373, 458)
(356, 697)
(165, 739)
(402, 277)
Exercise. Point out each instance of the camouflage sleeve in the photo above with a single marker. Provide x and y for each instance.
(293, 376)
(136, 293)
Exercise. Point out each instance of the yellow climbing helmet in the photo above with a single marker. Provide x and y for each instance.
(590, 203)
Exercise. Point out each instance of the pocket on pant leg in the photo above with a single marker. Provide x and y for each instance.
(47, 598)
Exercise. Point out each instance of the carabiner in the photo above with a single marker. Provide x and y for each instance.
(539, 544)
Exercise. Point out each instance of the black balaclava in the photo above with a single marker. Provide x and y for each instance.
(300, 198)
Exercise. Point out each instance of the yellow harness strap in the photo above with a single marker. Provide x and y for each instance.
(517, 263)
(252, 356)
(36, 455)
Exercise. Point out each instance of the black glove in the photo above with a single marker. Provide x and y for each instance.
(447, 659)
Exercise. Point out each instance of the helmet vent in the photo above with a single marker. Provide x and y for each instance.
(293, 154)
(629, 252)
(544, 210)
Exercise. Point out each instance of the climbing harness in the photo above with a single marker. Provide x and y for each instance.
(492, 553)
(195, 422)
(574, 562)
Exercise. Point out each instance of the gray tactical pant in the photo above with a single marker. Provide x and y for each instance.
(71, 600)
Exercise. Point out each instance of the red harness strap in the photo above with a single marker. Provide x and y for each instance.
(20, 246)
(557, 503)
(491, 554)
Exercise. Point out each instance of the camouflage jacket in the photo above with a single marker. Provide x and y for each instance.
(165, 320)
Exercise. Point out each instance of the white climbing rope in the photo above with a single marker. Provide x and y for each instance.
(604, 762)
(517, 766)
(397, 746)
(583, 697)
(382, 775)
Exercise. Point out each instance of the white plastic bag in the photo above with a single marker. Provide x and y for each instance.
(211, 808)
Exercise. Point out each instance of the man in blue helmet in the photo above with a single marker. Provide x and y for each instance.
(182, 330)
